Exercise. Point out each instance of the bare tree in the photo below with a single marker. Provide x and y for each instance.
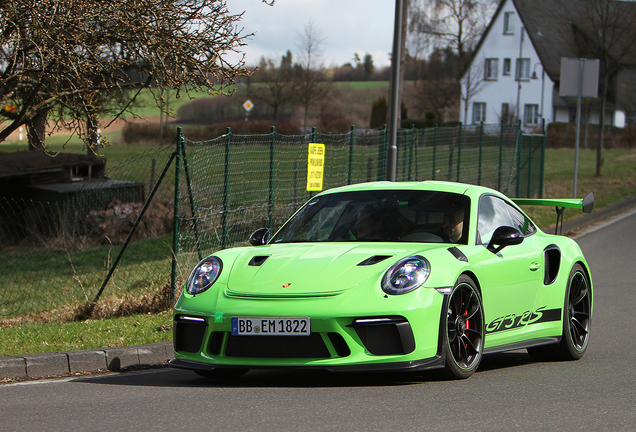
(626, 98)
(605, 30)
(443, 23)
(64, 63)
(471, 83)
(311, 85)
(436, 96)
(277, 86)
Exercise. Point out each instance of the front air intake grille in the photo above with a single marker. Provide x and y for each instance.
(188, 334)
(339, 344)
(311, 346)
(385, 335)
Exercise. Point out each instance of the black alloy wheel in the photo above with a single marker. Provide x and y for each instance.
(464, 329)
(577, 318)
(576, 332)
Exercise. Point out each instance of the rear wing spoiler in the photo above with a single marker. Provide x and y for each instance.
(586, 205)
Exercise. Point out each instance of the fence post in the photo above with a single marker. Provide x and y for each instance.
(501, 134)
(481, 149)
(175, 232)
(226, 186)
(459, 153)
(520, 147)
(434, 150)
(412, 144)
(382, 153)
(270, 221)
(352, 138)
(530, 156)
(175, 238)
(186, 170)
(543, 144)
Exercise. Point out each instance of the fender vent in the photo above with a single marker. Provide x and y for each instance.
(374, 260)
(258, 261)
(552, 258)
(458, 254)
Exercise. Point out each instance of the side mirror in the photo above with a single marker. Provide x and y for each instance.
(259, 237)
(504, 236)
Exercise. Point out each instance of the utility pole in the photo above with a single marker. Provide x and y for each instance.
(394, 109)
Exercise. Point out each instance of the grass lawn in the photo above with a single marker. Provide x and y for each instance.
(618, 180)
(101, 333)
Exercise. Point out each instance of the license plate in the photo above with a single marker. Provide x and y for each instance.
(271, 326)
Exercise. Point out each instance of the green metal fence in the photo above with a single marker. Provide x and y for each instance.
(197, 197)
(239, 183)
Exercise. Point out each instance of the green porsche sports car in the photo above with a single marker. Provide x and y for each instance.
(389, 276)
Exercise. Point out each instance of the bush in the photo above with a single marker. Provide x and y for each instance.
(204, 133)
(339, 125)
(135, 133)
(419, 124)
(563, 135)
(379, 112)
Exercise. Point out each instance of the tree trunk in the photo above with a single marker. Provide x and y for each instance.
(36, 130)
(599, 145)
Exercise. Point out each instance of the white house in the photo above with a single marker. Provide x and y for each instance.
(515, 69)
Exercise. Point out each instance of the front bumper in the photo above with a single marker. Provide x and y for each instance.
(405, 336)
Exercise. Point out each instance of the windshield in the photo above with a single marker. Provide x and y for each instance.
(393, 216)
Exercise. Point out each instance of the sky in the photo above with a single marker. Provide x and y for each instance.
(347, 27)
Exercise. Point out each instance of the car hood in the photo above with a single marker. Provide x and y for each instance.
(313, 269)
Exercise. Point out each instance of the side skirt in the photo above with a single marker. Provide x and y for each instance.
(523, 344)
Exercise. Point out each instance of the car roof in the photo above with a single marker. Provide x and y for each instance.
(429, 185)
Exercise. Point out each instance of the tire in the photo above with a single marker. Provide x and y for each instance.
(576, 321)
(222, 374)
(464, 330)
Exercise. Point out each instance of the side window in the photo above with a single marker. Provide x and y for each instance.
(493, 213)
(521, 222)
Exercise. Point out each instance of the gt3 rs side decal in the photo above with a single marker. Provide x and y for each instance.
(512, 321)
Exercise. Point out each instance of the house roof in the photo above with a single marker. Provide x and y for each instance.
(556, 29)
(551, 34)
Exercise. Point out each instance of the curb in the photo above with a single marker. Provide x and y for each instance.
(58, 364)
(68, 363)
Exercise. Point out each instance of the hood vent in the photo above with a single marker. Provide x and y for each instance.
(257, 261)
(374, 260)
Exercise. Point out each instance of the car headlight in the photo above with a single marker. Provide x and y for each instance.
(406, 275)
(204, 275)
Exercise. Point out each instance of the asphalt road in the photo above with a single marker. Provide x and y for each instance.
(508, 392)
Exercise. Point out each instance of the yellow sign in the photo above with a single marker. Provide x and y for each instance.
(315, 166)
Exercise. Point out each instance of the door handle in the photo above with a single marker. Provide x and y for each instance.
(535, 266)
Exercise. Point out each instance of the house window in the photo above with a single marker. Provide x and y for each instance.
(492, 66)
(506, 66)
(509, 22)
(531, 114)
(505, 112)
(479, 112)
(523, 69)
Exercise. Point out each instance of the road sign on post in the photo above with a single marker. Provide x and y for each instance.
(315, 166)
(579, 77)
(248, 105)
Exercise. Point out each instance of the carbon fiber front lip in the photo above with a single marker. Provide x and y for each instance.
(410, 366)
